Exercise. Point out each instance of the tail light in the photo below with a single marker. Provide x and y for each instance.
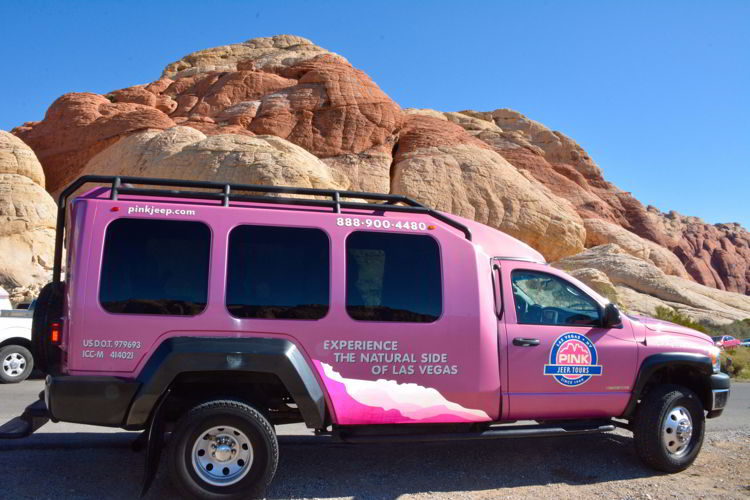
(55, 333)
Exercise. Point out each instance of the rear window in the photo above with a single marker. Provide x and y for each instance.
(393, 277)
(278, 273)
(155, 267)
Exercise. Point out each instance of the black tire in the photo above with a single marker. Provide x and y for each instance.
(191, 431)
(650, 428)
(16, 364)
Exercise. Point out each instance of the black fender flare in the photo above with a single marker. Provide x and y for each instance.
(656, 362)
(275, 356)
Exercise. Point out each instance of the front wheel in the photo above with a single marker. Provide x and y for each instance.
(16, 364)
(668, 428)
(223, 450)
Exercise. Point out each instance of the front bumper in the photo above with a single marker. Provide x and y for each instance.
(719, 394)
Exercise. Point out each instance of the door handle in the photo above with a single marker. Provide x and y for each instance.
(522, 342)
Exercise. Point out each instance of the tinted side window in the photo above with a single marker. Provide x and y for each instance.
(545, 299)
(278, 273)
(393, 277)
(155, 267)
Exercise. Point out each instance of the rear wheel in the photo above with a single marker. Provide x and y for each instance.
(223, 450)
(16, 364)
(668, 428)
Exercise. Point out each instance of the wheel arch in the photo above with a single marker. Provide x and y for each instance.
(691, 370)
(23, 342)
(180, 358)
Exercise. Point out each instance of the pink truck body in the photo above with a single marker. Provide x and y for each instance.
(472, 372)
(214, 314)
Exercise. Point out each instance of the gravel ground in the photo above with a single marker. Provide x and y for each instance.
(94, 465)
(603, 466)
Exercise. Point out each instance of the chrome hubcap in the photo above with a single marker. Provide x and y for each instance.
(222, 455)
(14, 364)
(677, 431)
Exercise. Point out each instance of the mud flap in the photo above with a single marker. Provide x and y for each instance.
(154, 444)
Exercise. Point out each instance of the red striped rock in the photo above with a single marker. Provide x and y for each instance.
(79, 125)
(716, 255)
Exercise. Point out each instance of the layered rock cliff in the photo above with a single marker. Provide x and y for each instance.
(27, 213)
(282, 110)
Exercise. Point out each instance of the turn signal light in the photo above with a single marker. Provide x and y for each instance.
(715, 359)
(55, 333)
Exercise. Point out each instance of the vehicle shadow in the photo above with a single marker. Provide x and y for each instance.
(93, 465)
(386, 471)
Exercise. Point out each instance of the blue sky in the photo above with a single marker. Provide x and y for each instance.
(658, 93)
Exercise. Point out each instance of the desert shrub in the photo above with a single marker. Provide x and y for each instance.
(740, 365)
(739, 329)
(678, 318)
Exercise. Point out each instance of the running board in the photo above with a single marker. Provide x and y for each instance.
(33, 417)
(498, 432)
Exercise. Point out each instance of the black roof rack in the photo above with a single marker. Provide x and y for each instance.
(231, 192)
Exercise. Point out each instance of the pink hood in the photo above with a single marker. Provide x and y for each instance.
(657, 325)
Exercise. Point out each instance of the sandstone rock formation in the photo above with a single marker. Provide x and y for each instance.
(282, 110)
(333, 109)
(27, 217)
(264, 53)
(641, 287)
(597, 280)
(438, 163)
(601, 232)
(366, 171)
(713, 255)
(716, 255)
(24, 294)
(186, 153)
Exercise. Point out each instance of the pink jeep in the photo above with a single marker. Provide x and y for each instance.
(211, 312)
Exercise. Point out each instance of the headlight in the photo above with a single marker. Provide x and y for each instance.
(715, 358)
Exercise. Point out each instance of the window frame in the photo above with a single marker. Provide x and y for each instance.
(441, 271)
(171, 316)
(496, 271)
(281, 226)
(599, 307)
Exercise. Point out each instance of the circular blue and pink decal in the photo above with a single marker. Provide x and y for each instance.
(572, 360)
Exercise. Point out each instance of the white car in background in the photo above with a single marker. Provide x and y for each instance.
(16, 361)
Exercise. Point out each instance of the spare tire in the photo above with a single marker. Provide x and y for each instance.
(48, 309)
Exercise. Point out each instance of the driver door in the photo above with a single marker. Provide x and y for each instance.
(561, 362)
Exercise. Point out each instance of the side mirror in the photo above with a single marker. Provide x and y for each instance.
(611, 317)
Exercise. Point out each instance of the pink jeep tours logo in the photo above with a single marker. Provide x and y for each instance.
(572, 360)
